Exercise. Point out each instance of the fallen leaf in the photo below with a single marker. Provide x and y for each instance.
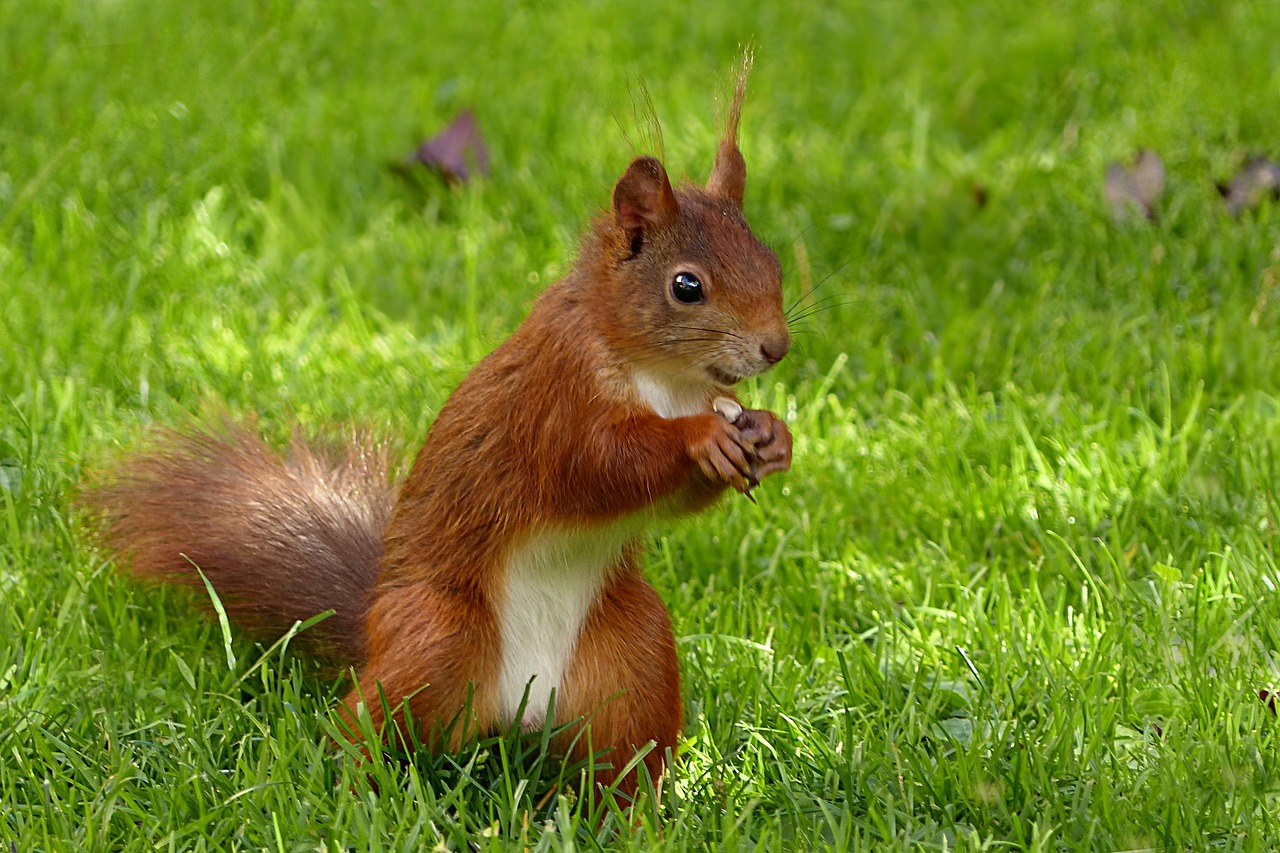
(1134, 191)
(1259, 179)
(457, 152)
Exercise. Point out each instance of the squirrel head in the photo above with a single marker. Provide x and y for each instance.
(692, 295)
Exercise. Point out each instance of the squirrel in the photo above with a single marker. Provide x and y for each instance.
(507, 567)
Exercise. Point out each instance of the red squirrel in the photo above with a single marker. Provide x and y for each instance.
(508, 563)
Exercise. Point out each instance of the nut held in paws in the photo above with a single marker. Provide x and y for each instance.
(727, 406)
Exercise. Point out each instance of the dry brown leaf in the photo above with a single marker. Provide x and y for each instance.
(1134, 191)
(1259, 179)
(457, 152)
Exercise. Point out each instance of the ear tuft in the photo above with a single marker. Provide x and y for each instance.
(729, 173)
(643, 200)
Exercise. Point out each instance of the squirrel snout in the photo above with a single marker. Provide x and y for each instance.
(774, 349)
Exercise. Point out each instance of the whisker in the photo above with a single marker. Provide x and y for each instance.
(826, 298)
(669, 342)
(819, 309)
(802, 297)
(823, 306)
(813, 289)
(653, 353)
(817, 304)
(710, 331)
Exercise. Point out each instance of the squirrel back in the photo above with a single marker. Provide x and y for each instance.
(280, 537)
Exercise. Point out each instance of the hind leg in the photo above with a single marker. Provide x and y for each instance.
(625, 681)
(440, 655)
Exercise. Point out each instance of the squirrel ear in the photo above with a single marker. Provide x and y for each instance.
(729, 173)
(643, 199)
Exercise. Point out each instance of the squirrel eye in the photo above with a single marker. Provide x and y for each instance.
(687, 288)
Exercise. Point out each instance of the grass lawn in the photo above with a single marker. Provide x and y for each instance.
(1020, 589)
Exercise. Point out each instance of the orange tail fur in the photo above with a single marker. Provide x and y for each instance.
(280, 538)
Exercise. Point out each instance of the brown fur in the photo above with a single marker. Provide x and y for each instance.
(549, 432)
(624, 681)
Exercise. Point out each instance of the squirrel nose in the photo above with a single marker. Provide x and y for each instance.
(774, 349)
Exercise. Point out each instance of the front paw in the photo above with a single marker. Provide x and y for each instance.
(770, 438)
(724, 455)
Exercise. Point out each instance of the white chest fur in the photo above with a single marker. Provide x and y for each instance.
(670, 399)
(552, 581)
(554, 578)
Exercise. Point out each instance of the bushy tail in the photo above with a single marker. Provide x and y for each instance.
(281, 538)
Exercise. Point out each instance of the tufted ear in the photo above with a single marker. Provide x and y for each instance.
(729, 173)
(643, 200)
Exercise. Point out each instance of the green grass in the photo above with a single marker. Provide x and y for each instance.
(1020, 590)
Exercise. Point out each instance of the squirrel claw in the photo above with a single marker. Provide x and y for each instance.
(731, 410)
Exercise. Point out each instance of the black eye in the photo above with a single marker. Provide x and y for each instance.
(687, 288)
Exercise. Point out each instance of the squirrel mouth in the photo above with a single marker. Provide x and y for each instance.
(723, 377)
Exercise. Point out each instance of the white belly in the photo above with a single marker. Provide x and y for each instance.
(552, 581)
